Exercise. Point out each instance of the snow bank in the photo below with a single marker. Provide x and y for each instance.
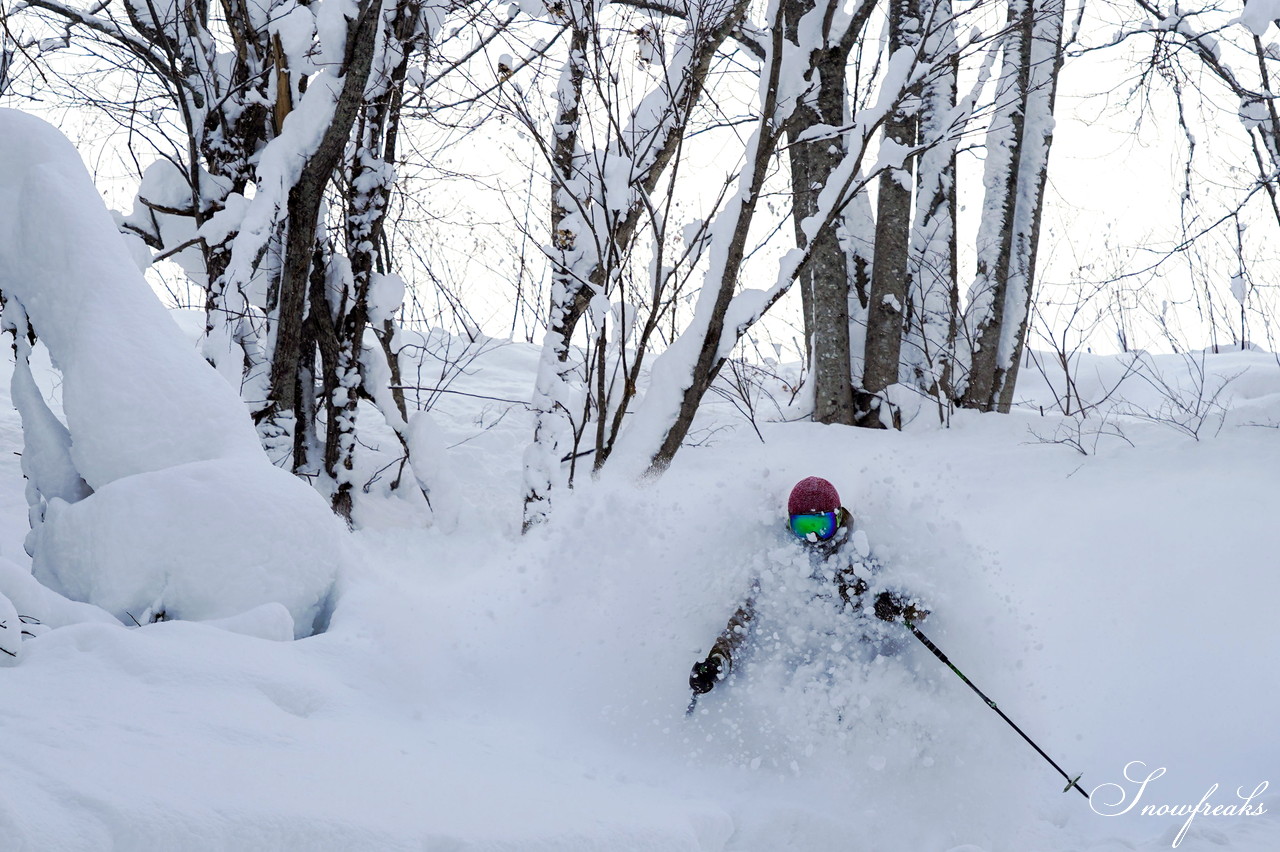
(187, 515)
(199, 541)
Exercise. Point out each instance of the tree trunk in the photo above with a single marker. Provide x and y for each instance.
(893, 232)
(1017, 160)
(591, 252)
(707, 330)
(305, 200)
(933, 298)
(824, 284)
(370, 175)
(1046, 62)
(568, 297)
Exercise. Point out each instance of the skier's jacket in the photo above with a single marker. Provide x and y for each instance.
(888, 605)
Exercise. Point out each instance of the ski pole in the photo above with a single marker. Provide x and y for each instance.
(937, 652)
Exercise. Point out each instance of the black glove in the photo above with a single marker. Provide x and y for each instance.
(708, 673)
(890, 607)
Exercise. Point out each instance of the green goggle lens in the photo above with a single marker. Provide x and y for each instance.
(820, 524)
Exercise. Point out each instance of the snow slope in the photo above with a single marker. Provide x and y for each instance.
(1107, 581)
(477, 690)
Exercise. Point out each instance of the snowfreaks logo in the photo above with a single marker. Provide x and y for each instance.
(1099, 800)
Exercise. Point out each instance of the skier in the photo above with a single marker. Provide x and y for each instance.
(825, 529)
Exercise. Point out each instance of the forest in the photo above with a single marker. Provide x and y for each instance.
(402, 395)
(634, 186)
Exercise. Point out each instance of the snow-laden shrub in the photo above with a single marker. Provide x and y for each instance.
(155, 495)
(197, 541)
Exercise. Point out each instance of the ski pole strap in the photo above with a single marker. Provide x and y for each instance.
(937, 652)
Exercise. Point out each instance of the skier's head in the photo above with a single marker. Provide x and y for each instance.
(814, 509)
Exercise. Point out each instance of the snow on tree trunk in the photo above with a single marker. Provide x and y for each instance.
(322, 147)
(681, 375)
(1033, 169)
(933, 299)
(893, 229)
(187, 515)
(346, 309)
(1017, 159)
(600, 200)
(826, 281)
(570, 256)
(857, 233)
(649, 144)
(995, 230)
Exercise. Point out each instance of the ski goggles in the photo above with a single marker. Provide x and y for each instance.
(821, 525)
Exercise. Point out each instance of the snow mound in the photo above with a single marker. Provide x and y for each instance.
(10, 630)
(206, 540)
(270, 621)
(186, 515)
(136, 395)
(40, 602)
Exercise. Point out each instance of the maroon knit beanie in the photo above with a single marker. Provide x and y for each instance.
(813, 494)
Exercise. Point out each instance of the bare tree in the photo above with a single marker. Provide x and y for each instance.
(596, 219)
(720, 316)
(893, 232)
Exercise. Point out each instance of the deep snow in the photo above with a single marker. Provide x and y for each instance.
(480, 690)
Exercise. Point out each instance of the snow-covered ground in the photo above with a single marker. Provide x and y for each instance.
(1109, 582)
(477, 690)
